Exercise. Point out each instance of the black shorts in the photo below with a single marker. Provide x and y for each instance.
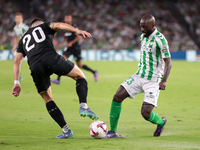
(75, 51)
(53, 63)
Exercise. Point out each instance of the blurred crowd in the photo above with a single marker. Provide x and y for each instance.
(114, 24)
(191, 14)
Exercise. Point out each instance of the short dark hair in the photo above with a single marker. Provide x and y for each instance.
(37, 19)
(19, 14)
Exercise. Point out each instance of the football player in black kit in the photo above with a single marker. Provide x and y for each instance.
(73, 48)
(43, 61)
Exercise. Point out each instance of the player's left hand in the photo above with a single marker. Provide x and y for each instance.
(84, 33)
(16, 90)
(162, 85)
(13, 51)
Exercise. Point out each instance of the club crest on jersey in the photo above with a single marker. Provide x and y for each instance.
(151, 43)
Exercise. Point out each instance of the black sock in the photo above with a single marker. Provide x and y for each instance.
(81, 90)
(88, 69)
(55, 113)
(58, 78)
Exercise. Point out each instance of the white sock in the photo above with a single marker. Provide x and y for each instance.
(65, 128)
(84, 105)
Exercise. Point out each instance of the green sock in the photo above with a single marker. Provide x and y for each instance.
(156, 119)
(115, 111)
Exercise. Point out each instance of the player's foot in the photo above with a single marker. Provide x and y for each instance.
(20, 78)
(111, 134)
(87, 112)
(160, 129)
(56, 81)
(95, 76)
(67, 135)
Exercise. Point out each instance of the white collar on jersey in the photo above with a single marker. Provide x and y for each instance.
(19, 24)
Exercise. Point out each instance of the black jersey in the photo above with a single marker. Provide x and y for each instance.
(71, 36)
(37, 43)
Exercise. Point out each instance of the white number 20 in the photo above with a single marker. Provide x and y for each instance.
(27, 38)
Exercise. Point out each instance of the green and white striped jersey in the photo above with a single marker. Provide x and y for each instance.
(20, 30)
(153, 49)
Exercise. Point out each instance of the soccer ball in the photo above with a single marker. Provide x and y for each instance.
(98, 129)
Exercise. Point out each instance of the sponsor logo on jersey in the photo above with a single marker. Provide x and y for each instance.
(151, 96)
(147, 49)
(160, 36)
(164, 50)
(68, 34)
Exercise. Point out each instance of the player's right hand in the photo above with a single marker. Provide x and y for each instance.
(84, 33)
(16, 90)
(162, 85)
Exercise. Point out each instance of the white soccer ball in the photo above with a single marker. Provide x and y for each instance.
(98, 129)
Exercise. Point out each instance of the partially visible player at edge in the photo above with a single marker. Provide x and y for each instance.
(19, 29)
(43, 60)
(150, 78)
(73, 47)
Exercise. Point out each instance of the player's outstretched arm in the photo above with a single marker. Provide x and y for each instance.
(16, 71)
(168, 65)
(67, 27)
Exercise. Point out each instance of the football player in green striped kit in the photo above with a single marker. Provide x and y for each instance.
(150, 78)
(19, 29)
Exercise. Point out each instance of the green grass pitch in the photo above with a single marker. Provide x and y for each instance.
(26, 125)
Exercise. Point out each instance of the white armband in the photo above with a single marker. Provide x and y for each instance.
(16, 81)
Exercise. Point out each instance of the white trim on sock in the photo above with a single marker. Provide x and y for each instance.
(84, 105)
(65, 128)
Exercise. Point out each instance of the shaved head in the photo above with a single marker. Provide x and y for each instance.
(147, 24)
(148, 19)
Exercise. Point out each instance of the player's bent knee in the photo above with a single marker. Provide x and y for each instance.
(80, 65)
(146, 110)
(146, 115)
(46, 97)
(76, 73)
(117, 98)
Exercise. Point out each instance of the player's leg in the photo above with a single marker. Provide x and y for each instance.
(115, 111)
(41, 77)
(57, 81)
(67, 68)
(77, 55)
(129, 88)
(56, 114)
(150, 101)
(152, 117)
(82, 90)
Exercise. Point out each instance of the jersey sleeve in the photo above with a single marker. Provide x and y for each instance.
(48, 27)
(164, 47)
(20, 48)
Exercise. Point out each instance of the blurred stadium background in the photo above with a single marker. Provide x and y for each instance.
(114, 24)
